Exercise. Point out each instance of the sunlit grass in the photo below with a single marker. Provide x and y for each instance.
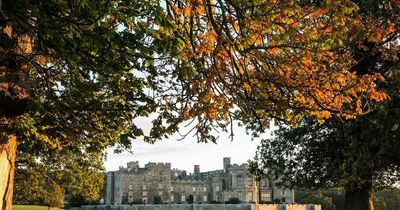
(29, 207)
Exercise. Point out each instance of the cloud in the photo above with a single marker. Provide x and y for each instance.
(185, 153)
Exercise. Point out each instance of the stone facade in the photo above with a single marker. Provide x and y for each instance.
(204, 207)
(157, 182)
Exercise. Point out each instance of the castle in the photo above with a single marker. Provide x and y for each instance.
(158, 183)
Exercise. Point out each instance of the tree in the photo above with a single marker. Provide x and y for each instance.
(71, 77)
(388, 199)
(79, 175)
(258, 60)
(28, 188)
(319, 198)
(351, 154)
(337, 195)
(359, 155)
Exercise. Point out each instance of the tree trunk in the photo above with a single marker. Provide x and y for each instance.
(14, 84)
(359, 199)
(8, 148)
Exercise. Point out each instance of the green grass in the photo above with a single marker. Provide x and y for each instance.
(28, 207)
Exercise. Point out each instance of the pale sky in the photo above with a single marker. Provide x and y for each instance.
(185, 153)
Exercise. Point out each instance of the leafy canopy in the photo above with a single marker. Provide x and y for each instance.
(348, 153)
(258, 60)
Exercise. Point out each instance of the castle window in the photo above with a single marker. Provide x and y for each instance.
(265, 197)
(183, 198)
(205, 189)
(250, 181)
(144, 187)
(194, 189)
(217, 188)
(160, 193)
(205, 198)
(240, 179)
(144, 193)
(249, 197)
(130, 187)
(172, 198)
(171, 189)
(160, 186)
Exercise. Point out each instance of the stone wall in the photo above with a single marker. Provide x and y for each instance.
(204, 207)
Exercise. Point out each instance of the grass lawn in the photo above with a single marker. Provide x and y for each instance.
(28, 207)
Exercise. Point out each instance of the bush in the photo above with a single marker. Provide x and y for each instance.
(190, 199)
(233, 200)
(318, 198)
(157, 200)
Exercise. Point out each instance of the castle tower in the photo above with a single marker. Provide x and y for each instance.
(227, 163)
(196, 169)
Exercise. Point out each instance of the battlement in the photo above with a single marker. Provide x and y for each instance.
(134, 165)
(155, 165)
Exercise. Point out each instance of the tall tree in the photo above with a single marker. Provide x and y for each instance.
(71, 77)
(359, 155)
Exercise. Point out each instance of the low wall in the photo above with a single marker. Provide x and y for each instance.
(172, 207)
(205, 207)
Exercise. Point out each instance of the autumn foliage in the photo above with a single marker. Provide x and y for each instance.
(276, 59)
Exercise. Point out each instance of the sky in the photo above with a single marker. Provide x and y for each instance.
(184, 154)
